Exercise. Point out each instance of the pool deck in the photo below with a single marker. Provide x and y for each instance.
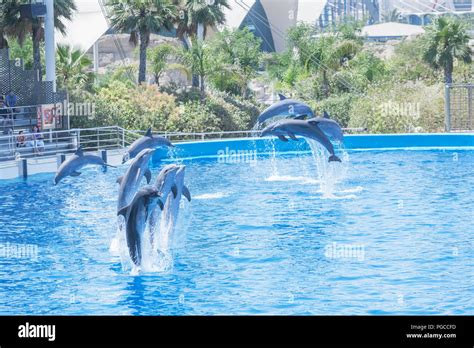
(245, 146)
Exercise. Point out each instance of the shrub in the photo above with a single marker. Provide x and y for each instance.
(130, 107)
(403, 107)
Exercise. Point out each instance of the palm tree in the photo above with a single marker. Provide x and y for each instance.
(198, 60)
(194, 17)
(72, 67)
(19, 28)
(140, 18)
(159, 57)
(446, 41)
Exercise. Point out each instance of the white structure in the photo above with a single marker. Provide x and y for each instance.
(50, 46)
(391, 30)
(271, 19)
(86, 27)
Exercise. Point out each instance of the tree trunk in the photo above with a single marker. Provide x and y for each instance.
(325, 84)
(448, 73)
(3, 40)
(203, 89)
(142, 68)
(36, 30)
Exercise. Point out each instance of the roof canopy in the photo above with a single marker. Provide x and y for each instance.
(86, 27)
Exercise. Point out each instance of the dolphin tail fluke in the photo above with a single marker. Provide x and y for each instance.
(334, 158)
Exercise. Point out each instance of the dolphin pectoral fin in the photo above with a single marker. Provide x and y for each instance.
(123, 212)
(282, 138)
(174, 189)
(292, 136)
(75, 174)
(109, 165)
(301, 117)
(161, 204)
(119, 180)
(147, 175)
(186, 193)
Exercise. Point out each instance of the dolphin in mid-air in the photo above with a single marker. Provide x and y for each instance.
(331, 128)
(136, 215)
(132, 178)
(148, 141)
(165, 184)
(74, 163)
(171, 205)
(286, 108)
(306, 128)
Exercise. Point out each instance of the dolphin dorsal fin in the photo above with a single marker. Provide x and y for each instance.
(326, 115)
(148, 133)
(79, 151)
(282, 97)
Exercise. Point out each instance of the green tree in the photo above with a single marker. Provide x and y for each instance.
(20, 28)
(194, 17)
(237, 52)
(72, 68)
(447, 41)
(198, 60)
(140, 18)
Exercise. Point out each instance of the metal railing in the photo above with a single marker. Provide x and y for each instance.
(18, 118)
(99, 138)
(12, 147)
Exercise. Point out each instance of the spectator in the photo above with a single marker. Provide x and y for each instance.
(11, 99)
(36, 140)
(20, 140)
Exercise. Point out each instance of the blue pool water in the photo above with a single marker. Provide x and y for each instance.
(387, 232)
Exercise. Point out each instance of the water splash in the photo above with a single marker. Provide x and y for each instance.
(159, 241)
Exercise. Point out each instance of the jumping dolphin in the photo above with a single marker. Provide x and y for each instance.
(287, 108)
(74, 163)
(148, 141)
(130, 181)
(171, 205)
(136, 215)
(308, 129)
(165, 184)
(331, 128)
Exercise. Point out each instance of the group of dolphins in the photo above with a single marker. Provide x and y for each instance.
(141, 207)
(298, 119)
